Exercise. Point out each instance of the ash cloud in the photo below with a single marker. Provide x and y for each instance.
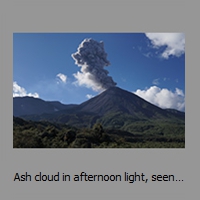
(92, 59)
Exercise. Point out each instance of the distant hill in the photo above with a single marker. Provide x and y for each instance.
(35, 106)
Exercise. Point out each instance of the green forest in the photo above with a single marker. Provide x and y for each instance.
(44, 134)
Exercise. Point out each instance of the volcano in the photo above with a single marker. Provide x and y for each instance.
(115, 108)
(117, 100)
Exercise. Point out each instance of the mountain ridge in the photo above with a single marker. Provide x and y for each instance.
(30, 105)
(113, 108)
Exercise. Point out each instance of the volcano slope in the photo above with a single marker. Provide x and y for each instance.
(118, 109)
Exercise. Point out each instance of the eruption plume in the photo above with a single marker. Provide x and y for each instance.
(92, 59)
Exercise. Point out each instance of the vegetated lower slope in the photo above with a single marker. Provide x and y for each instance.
(31, 134)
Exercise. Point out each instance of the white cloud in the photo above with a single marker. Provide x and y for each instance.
(163, 98)
(87, 79)
(156, 81)
(62, 77)
(174, 42)
(89, 96)
(19, 91)
(148, 54)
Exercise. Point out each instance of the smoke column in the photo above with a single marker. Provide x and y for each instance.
(92, 59)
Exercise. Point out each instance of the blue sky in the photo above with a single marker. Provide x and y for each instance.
(151, 65)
